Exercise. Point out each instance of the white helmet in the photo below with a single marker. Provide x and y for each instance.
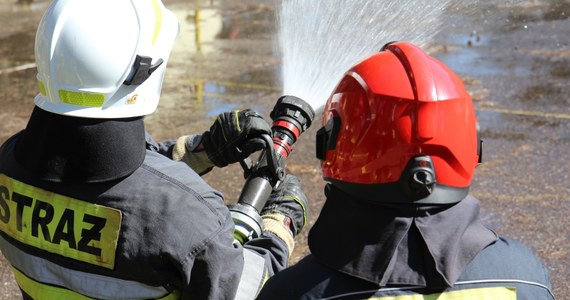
(103, 58)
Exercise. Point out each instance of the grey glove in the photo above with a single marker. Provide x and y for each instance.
(234, 136)
(290, 201)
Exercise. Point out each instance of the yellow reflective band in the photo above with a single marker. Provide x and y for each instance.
(487, 293)
(39, 291)
(42, 88)
(59, 224)
(81, 99)
(157, 20)
(174, 295)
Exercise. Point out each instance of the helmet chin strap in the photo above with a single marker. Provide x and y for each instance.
(143, 68)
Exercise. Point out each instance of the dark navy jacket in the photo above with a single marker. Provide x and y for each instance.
(360, 250)
(506, 263)
(86, 210)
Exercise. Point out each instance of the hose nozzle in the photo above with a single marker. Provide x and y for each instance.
(291, 116)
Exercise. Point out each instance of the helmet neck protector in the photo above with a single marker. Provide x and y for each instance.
(67, 149)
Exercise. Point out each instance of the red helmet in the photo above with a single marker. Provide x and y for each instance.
(400, 126)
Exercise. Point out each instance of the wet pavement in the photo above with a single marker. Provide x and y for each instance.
(514, 58)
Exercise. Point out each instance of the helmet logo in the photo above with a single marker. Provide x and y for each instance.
(133, 99)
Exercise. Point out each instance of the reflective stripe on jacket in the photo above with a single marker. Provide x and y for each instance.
(159, 233)
(503, 270)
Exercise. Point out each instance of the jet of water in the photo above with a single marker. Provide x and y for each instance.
(319, 40)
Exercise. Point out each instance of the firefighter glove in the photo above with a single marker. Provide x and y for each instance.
(234, 136)
(288, 204)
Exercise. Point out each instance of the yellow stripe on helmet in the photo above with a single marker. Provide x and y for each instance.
(81, 99)
(157, 20)
(42, 88)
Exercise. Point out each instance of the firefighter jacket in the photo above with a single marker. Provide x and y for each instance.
(366, 251)
(84, 215)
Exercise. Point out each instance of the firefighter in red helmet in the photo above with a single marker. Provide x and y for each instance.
(398, 147)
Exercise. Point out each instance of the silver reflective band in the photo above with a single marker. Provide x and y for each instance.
(252, 276)
(411, 288)
(90, 285)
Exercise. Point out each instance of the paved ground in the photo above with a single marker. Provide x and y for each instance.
(515, 60)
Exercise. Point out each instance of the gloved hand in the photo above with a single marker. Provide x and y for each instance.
(287, 205)
(234, 136)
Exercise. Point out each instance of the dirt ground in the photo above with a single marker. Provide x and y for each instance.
(514, 61)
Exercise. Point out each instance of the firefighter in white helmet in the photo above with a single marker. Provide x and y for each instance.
(398, 148)
(91, 207)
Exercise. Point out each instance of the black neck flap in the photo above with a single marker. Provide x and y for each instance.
(60, 148)
(399, 244)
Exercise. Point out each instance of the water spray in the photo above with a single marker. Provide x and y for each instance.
(291, 117)
(319, 40)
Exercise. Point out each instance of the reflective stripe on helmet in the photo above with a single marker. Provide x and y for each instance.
(42, 88)
(157, 20)
(82, 99)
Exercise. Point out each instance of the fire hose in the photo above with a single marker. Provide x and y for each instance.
(291, 117)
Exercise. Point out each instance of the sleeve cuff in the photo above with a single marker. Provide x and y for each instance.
(275, 223)
(182, 151)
